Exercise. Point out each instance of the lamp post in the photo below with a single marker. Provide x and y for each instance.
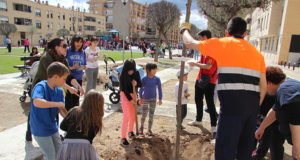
(123, 37)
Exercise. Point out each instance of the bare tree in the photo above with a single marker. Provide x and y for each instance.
(163, 16)
(179, 116)
(63, 32)
(7, 28)
(219, 12)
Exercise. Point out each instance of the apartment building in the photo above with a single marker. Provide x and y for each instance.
(275, 31)
(129, 19)
(38, 19)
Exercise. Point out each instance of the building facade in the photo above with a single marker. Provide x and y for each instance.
(36, 20)
(275, 31)
(129, 19)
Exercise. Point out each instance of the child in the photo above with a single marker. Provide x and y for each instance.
(129, 79)
(82, 125)
(148, 95)
(92, 54)
(47, 100)
(185, 94)
(77, 61)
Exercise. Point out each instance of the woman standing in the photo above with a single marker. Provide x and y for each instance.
(92, 55)
(57, 49)
(77, 61)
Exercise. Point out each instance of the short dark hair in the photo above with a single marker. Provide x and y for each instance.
(274, 75)
(236, 26)
(57, 68)
(150, 66)
(76, 38)
(206, 33)
(94, 39)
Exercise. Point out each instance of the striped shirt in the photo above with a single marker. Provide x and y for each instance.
(240, 66)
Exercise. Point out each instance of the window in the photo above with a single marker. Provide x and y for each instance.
(58, 26)
(47, 13)
(3, 19)
(38, 12)
(99, 21)
(109, 12)
(21, 7)
(90, 28)
(79, 19)
(58, 15)
(70, 17)
(51, 14)
(51, 25)
(3, 6)
(64, 26)
(90, 19)
(23, 21)
(79, 28)
(48, 25)
(38, 24)
(294, 46)
(108, 5)
(109, 19)
(64, 17)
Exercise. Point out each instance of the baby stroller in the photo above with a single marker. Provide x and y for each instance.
(29, 79)
(114, 75)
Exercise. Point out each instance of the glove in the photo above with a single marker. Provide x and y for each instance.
(184, 26)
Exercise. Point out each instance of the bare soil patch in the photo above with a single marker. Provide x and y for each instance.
(195, 142)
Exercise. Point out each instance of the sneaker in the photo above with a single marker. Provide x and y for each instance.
(124, 142)
(141, 131)
(150, 133)
(131, 135)
(195, 123)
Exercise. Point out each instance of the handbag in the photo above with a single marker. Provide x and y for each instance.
(204, 79)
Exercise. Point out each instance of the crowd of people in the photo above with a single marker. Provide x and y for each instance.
(256, 101)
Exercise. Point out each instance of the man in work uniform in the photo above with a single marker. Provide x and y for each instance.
(241, 87)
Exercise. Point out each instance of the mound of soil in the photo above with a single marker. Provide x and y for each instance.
(195, 142)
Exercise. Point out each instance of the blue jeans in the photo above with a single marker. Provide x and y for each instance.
(49, 145)
(235, 137)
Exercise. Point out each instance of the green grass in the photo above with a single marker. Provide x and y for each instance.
(15, 52)
(8, 60)
(118, 56)
(7, 63)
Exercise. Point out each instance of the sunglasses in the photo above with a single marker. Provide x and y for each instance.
(64, 46)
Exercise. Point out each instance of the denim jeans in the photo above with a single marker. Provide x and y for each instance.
(49, 145)
(91, 76)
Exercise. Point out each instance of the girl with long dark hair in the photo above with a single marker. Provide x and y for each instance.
(129, 79)
(77, 61)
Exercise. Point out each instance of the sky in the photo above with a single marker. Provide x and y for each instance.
(196, 18)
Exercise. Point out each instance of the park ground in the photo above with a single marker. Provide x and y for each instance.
(196, 141)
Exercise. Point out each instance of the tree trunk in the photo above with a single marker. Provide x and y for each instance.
(156, 47)
(169, 47)
(179, 117)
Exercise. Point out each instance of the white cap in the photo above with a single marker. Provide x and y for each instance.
(184, 72)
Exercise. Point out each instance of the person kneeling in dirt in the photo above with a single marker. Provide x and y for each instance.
(272, 138)
(184, 96)
(286, 109)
